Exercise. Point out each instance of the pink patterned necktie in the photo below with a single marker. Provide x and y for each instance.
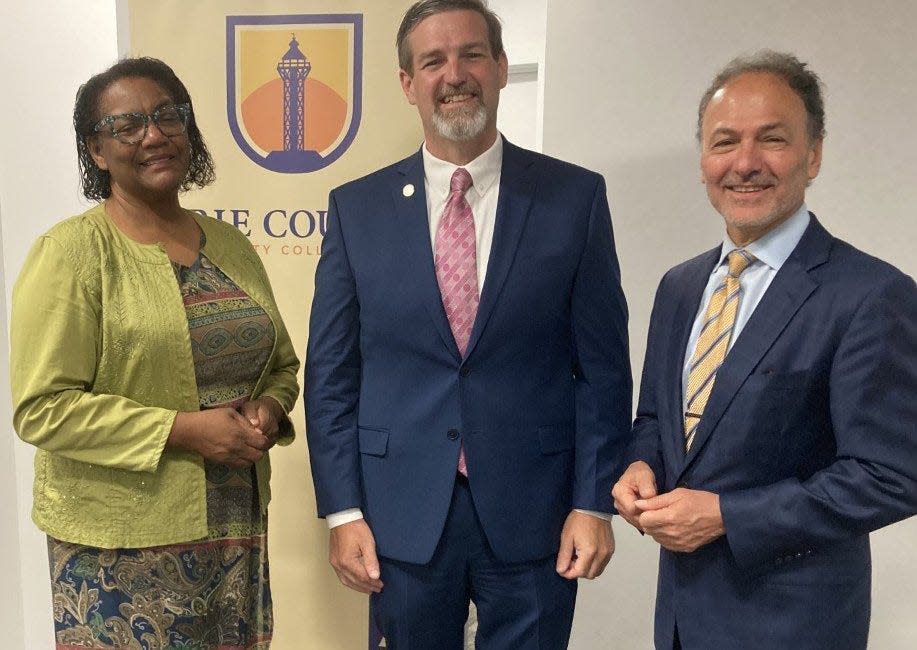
(455, 260)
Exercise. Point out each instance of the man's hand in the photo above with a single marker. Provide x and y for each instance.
(586, 546)
(682, 520)
(352, 553)
(637, 482)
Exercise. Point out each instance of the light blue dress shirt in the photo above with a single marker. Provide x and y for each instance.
(771, 251)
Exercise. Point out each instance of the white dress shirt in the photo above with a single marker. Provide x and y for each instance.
(481, 196)
(771, 251)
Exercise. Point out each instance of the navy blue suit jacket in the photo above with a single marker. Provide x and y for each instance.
(542, 398)
(808, 437)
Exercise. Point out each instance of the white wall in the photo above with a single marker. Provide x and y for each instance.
(622, 82)
(521, 102)
(47, 49)
(11, 597)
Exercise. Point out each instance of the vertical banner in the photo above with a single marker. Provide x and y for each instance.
(293, 99)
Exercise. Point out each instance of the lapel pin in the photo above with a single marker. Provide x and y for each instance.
(408, 190)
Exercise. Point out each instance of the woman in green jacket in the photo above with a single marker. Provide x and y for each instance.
(152, 370)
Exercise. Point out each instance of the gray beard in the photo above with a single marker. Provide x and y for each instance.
(462, 126)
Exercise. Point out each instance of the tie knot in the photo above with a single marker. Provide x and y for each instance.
(461, 180)
(739, 260)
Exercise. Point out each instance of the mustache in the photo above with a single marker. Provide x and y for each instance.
(753, 178)
(466, 88)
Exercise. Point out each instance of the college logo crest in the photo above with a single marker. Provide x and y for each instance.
(294, 87)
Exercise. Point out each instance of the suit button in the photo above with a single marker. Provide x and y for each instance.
(464, 372)
(453, 434)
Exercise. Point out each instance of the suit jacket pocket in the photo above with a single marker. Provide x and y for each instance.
(774, 399)
(777, 382)
(555, 439)
(373, 442)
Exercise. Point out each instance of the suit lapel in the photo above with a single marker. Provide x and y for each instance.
(517, 186)
(789, 289)
(415, 226)
(689, 298)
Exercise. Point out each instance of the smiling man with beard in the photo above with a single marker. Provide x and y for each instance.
(468, 384)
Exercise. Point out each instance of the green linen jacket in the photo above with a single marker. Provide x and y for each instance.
(100, 365)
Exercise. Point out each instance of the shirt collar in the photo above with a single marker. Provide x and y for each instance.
(775, 246)
(484, 170)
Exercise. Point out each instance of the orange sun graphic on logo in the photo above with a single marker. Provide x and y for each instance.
(262, 115)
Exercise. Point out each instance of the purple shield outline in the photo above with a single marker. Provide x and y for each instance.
(319, 163)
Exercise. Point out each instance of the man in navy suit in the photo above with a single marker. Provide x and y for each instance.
(762, 474)
(468, 386)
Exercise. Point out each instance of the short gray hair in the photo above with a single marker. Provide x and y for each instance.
(794, 72)
(426, 8)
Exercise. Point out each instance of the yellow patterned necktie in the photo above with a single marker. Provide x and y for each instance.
(719, 321)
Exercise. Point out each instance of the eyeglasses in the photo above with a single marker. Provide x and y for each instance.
(131, 128)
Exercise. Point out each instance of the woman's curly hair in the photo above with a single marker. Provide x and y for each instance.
(96, 182)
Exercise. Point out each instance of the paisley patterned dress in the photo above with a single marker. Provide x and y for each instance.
(211, 594)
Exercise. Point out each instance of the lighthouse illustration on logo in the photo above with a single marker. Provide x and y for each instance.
(294, 88)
